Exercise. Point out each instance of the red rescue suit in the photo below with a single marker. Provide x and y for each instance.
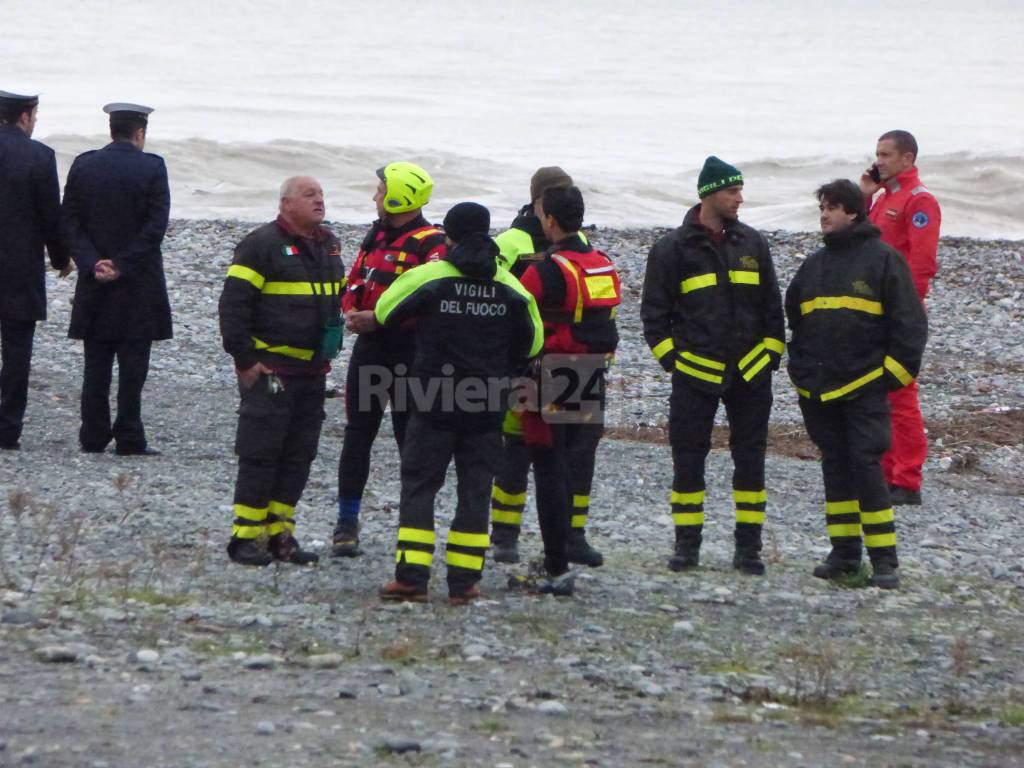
(379, 262)
(909, 217)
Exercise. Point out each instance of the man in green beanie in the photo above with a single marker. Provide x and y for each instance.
(712, 315)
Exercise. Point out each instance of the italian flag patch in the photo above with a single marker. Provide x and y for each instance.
(289, 250)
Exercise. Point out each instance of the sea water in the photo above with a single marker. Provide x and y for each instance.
(629, 97)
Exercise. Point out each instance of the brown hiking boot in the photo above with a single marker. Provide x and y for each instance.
(465, 597)
(284, 546)
(400, 591)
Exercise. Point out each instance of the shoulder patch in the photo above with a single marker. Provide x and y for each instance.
(892, 213)
(920, 220)
(862, 288)
(748, 261)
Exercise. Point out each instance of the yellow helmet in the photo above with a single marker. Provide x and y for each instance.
(407, 187)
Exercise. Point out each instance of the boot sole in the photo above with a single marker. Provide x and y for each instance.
(405, 598)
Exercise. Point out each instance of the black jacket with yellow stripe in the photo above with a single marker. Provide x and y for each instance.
(858, 324)
(713, 311)
(280, 290)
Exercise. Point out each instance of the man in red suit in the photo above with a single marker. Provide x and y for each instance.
(909, 217)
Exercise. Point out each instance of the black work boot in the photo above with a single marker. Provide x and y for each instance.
(837, 565)
(686, 556)
(885, 575)
(747, 556)
(904, 497)
(505, 543)
(249, 552)
(285, 547)
(345, 541)
(580, 551)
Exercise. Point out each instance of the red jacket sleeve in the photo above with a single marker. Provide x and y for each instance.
(923, 221)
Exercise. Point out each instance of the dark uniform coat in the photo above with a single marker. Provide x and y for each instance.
(29, 216)
(116, 205)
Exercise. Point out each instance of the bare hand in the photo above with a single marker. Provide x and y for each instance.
(251, 375)
(105, 271)
(361, 322)
(868, 185)
(65, 271)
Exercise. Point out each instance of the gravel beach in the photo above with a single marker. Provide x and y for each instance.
(127, 638)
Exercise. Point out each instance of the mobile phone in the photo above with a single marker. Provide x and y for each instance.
(874, 173)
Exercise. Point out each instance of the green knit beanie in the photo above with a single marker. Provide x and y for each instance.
(715, 175)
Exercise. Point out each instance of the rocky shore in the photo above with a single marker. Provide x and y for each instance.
(127, 639)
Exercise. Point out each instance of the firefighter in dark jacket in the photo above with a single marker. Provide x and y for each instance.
(29, 220)
(399, 240)
(521, 245)
(859, 331)
(280, 319)
(578, 292)
(476, 327)
(114, 216)
(712, 314)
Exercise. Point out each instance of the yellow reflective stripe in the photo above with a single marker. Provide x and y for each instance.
(244, 273)
(774, 345)
(841, 302)
(880, 540)
(577, 315)
(688, 518)
(844, 529)
(600, 287)
(283, 349)
(461, 539)
(251, 513)
(691, 497)
(750, 497)
(426, 233)
(579, 521)
(877, 518)
(707, 362)
(663, 347)
(579, 500)
(897, 370)
(744, 277)
(750, 516)
(698, 374)
(248, 531)
(503, 497)
(417, 535)
(803, 393)
(842, 507)
(508, 518)
(414, 556)
(751, 355)
(281, 509)
(301, 288)
(276, 527)
(472, 562)
(700, 281)
(866, 378)
(753, 370)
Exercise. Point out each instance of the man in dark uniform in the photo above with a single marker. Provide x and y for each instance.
(712, 315)
(29, 220)
(116, 204)
(280, 317)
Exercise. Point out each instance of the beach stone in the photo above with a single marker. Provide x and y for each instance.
(552, 707)
(265, 728)
(683, 627)
(400, 746)
(18, 616)
(147, 656)
(56, 654)
(262, 661)
(324, 661)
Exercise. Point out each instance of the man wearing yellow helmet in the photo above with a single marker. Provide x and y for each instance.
(399, 240)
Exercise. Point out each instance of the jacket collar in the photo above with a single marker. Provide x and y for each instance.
(14, 130)
(572, 243)
(692, 228)
(852, 235)
(907, 179)
(122, 145)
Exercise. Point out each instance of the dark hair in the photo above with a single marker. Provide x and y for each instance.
(844, 193)
(11, 114)
(565, 204)
(904, 141)
(123, 128)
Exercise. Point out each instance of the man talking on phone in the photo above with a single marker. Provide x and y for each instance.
(909, 218)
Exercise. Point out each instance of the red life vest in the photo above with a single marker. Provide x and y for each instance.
(377, 268)
(586, 320)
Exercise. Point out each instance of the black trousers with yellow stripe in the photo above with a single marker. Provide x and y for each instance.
(508, 498)
(276, 442)
(427, 451)
(853, 435)
(691, 419)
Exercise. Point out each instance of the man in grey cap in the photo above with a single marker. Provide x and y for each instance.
(29, 216)
(116, 205)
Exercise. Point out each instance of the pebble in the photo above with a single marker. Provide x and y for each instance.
(400, 746)
(259, 662)
(191, 675)
(265, 728)
(18, 616)
(147, 656)
(683, 627)
(56, 654)
(552, 708)
(324, 661)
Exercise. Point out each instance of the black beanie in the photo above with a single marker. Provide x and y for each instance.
(466, 218)
(715, 175)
